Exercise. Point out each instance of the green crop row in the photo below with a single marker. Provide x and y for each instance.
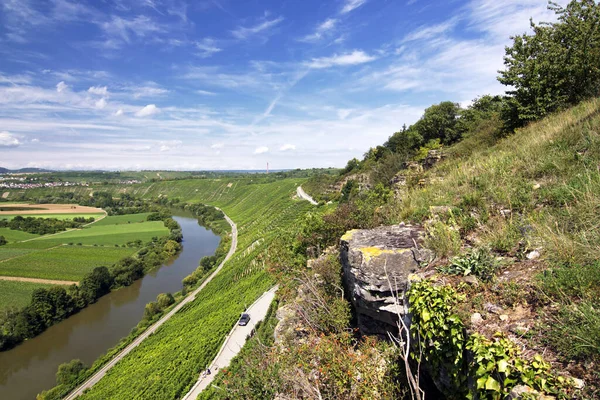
(14, 294)
(168, 363)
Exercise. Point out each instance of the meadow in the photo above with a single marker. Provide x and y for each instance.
(17, 294)
(16, 236)
(70, 263)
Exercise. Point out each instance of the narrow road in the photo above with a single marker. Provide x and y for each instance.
(37, 280)
(100, 374)
(234, 342)
(302, 194)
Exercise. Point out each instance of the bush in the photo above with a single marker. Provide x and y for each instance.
(68, 373)
(479, 262)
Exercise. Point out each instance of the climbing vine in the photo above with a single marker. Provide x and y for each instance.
(472, 366)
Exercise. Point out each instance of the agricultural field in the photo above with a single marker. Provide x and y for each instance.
(17, 294)
(96, 216)
(16, 236)
(167, 363)
(68, 263)
(122, 219)
(110, 235)
(69, 255)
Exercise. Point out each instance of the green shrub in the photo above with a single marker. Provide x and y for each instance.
(442, 238)
(479, 262)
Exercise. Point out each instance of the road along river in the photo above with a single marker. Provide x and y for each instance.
(31, 367)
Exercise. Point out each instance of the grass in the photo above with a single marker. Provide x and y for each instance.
(122, 219)
(57, 216)
(68, 263)
(108, 235)
(17, 294)
(6, 253)
(16, 236)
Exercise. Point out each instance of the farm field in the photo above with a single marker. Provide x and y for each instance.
(57, 216)
(17, 294)
(68, 263)
(109, 235)
(167, 363)
(16, 236)
(31, 209)
(122, 219)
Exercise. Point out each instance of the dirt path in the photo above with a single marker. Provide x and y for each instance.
(302, 194)
(233, 343)
(36, 280)
(100, 374)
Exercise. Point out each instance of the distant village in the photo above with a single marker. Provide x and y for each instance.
(23, 182)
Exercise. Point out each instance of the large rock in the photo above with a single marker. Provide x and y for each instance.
(377, 264)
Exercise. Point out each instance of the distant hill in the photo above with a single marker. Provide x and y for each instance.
(22, 170)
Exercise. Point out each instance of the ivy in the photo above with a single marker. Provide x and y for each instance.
(477, 367)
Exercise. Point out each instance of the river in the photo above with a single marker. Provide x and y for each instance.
(30, 367)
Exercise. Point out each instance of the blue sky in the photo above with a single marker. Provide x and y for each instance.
(233, 84)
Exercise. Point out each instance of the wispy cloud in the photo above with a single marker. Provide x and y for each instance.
(322, 30)
(245, 32)
(287, 147)
(261, 150)
(207, 47)
(354, 58)
(98, 90)
(350, 5)
(122, 30)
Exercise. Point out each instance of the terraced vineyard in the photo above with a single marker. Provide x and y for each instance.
(167, 364)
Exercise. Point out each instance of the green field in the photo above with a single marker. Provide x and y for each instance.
(17, 294)
(16, 236)
(69, 263)
(110, 234)
(57, 216)
(166, 364)
(7, 252)
(123, 219)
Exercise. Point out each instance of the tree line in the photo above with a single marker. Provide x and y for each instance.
(43, 226)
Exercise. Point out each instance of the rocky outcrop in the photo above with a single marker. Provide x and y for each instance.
(376, 265)
(433, 157)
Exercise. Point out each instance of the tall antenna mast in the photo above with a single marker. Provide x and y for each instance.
(267, 168)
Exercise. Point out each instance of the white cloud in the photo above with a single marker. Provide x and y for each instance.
(350, 5)
(427, 32)
(100, 104)
(261, 150)
(61, 87)
(217, 146)
(35, 140)
(243, 32)
(122, 30)
(205, 92)
(322, 30)
(150, 89)
(170, 145)
(99, 90)
(354, 58)
(207, 47)
(147, 111)
(287, 147)
(7, 139)
(119, 112)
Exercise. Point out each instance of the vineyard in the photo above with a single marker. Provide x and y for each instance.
(167, 364)
(17, 294)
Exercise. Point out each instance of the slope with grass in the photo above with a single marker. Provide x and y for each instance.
(168, 363)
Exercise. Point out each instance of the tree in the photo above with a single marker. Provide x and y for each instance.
(164, 300)
(554, 67)
(69, 372)
(2, 241)
(96, 284)
(440, 121)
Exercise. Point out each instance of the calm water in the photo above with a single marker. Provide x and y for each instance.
(31, 367)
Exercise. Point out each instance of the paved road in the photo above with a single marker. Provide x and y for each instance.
(100, 374)
(302, 194)
(233, 343)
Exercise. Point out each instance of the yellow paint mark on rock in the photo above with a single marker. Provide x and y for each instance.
(372, 252)
(348, 235)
